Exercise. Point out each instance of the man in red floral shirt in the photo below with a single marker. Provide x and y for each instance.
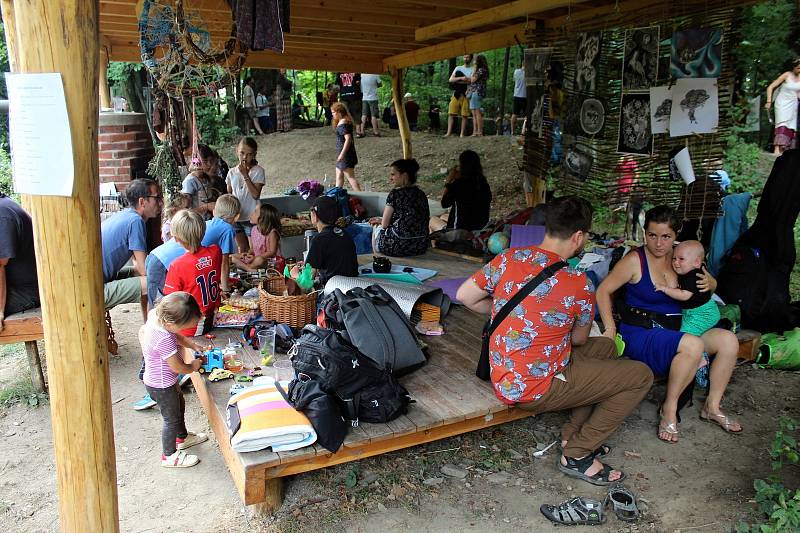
(541, 356)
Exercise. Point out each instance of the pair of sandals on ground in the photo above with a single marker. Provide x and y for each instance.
(586, 511)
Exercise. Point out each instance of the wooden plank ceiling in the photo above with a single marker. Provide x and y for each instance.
(361, 35)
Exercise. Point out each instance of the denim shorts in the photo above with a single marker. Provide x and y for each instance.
(156, 276)
(243, 227)
(475, 101)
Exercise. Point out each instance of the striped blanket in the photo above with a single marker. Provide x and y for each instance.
(259, 417)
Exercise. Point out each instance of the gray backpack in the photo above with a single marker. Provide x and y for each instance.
(374, 324)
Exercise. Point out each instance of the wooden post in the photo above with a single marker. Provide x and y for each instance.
(35, 364)
(105, 94)
(400, 111)
(63, 37)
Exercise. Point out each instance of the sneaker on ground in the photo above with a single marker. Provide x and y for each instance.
(145, 403)
(183, 379)
(179, 459)
(190, 440)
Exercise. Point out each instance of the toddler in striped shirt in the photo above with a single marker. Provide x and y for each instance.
(160, 340)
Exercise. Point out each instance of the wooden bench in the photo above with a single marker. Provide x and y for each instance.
(27, 327)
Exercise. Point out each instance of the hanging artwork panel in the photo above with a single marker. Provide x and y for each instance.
(660, 109)
(587, 58)
(578, 162)
(695, 107)
(640, 61)
(696, 53)
(537, 112)
(592, 116)
(635, 136)
(536, 62)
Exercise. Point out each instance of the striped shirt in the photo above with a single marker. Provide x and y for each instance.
(158, 345)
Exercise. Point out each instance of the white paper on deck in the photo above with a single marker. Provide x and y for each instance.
(41, 143)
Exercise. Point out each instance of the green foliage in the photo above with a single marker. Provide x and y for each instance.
(778, 503)
(765, 49)
(213, 123)
(6, 184)
(164, 168)
(21, 392)
(118, 73)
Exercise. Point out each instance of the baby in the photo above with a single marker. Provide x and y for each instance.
(699, 313)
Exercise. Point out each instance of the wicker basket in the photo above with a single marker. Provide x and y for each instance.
(297, 311)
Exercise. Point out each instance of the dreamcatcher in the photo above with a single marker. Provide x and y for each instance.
(177, 50)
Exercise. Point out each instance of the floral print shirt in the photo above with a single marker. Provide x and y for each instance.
(534, 341)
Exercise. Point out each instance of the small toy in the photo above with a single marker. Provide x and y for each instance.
(210, 336)
(237, 388)
(255, 372)
(219, 374)
(266, 361)
(212, 359)
(234, 365)
(243, 378)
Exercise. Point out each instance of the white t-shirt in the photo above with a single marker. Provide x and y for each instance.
(236, 182)
(465, 71)
(248, 98)
(519, 83)
(262, 105)
(369, 87)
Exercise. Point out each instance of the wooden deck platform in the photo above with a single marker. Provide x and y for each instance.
(450, 400)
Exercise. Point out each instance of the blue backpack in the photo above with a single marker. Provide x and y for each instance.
(342, 198)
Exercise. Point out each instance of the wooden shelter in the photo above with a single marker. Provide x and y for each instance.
(77, 38)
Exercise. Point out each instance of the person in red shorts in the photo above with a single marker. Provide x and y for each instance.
(197, 271)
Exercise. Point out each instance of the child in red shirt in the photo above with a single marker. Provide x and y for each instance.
(196, 272)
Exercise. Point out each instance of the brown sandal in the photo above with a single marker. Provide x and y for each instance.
(721, 420)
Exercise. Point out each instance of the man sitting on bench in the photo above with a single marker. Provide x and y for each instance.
(541, 356)
(19, 285)
(123, 235)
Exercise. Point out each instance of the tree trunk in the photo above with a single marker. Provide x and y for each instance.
(503, 92)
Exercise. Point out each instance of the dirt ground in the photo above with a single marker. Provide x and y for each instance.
(703, 483)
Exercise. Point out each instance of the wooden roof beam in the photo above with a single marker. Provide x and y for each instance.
(489, 40)
(293, 59)
(501, 13)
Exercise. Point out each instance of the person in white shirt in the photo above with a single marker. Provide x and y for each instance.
(459, 105)
(249, 103)
(520, 98)
(369, 88)
(262, 112)
(245, 181)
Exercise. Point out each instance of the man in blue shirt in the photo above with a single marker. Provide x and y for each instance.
(123, 235)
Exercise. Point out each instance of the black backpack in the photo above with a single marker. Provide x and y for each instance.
(365, 391)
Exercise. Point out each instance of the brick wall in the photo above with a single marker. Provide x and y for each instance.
(124, 148)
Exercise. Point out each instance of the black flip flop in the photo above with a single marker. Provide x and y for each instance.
(623, 501)
(577, 468)
(575, 512)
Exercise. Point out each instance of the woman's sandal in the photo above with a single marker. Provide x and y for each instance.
(575, 512)
(721, 420)
(671, 428)
(623, 502)
(577, 468)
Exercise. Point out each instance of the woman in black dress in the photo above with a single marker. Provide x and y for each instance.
(346, 158)
(467, 194)
(402, 230)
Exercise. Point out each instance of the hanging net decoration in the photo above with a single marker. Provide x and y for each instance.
(177, 49)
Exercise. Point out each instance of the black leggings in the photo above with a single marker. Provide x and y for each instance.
(170, 401)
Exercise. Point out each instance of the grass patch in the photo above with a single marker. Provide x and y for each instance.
(12, 349)
(21, 391)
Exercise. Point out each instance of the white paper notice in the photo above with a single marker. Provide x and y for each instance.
(41, 143)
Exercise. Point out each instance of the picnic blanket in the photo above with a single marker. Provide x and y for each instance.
(260, 417)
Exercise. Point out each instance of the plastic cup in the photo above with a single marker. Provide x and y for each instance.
(266, 342)
(283, 370)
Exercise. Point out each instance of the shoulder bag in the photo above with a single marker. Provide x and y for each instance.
(483, 370)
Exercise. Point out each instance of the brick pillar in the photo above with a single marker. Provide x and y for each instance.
(124, 148)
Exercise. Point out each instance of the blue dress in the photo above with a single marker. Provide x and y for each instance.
(657, 346)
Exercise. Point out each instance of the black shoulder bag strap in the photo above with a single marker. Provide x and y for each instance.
(483, 363)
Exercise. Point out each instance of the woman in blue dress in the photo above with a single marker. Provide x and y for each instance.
(650, 323)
